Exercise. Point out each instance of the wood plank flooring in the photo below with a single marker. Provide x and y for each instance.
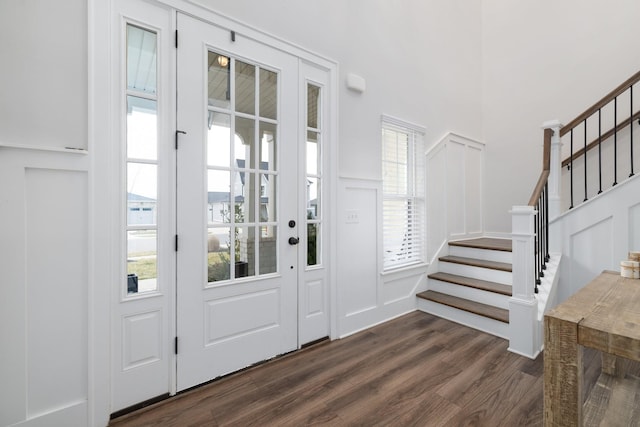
(416, 370)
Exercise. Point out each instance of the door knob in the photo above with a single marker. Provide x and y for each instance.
(294, 240)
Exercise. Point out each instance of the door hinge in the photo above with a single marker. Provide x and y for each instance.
(177, 133)
(176, 243)
(176, 39)
(175, 345)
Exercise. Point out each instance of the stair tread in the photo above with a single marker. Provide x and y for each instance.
(485, 310)
(484, 285)
(493, 265)
(484, 243)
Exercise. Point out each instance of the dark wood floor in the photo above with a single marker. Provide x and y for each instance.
(417, 370)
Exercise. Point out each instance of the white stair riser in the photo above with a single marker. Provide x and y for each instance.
(473, 294)
(490, 326)
(498, 276)
(485, 254)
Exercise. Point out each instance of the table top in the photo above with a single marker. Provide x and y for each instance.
(607, 314)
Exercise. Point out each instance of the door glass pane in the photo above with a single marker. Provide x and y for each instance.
(267, 146)
(268, 250)
(245, 87)
(313, 244)
(142, 128)
(245, 251)
(142, 257)
(313, 166)
(267, 198)
(142, 193)
(141, 59)
(244, 143)
(245, 197)
(241, 163)
(218, 80)
(312, 152)
(313, 106)
(141, 142)
(268, 94)
(313, 199)
(218, 254)
(219, 139)
(218, 197)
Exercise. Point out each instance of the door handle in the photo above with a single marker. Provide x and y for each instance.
(294, 240)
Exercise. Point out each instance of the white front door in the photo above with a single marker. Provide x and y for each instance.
(238, 213)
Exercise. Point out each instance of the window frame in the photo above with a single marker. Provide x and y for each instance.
(413, 247)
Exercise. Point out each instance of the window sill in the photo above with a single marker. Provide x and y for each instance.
(406, 270)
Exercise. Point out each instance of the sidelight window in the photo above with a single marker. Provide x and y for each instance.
(141, 140)
(314, 174)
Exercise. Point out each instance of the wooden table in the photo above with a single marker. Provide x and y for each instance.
(604, 315)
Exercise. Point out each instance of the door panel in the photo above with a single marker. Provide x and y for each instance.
(237, 178)
(313, 308)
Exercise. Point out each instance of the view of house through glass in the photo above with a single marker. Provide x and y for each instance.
(241, 169)
(313, 174)
(141, 160)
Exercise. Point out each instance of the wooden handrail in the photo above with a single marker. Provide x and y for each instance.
(546, 166)
(546, 150)
(542, 181)
(605, 136)
(598, 105)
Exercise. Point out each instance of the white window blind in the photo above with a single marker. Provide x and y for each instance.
(403, 206)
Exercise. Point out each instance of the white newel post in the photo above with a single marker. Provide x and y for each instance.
(523, 306)
(555, 168)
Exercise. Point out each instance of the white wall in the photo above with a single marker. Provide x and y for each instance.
(43, 77)
(544, 60)
(421, 63)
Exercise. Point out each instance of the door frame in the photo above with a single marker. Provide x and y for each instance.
(105, 216)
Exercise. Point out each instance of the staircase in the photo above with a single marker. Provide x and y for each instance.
(472, 285)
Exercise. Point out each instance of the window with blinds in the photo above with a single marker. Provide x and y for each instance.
(403, 205)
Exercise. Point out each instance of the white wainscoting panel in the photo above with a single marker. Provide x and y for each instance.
(634, 227)
(358, 250)
(44, 309)
(56, 288)
(398, 288)
(455, 186)
(591, 252)
(367, 297)
(473, 189)
(456, 191)
(596, 235)
(436, 200)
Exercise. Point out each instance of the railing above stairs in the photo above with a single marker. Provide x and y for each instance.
(617, 112)
(530, 223)
(540, 202)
